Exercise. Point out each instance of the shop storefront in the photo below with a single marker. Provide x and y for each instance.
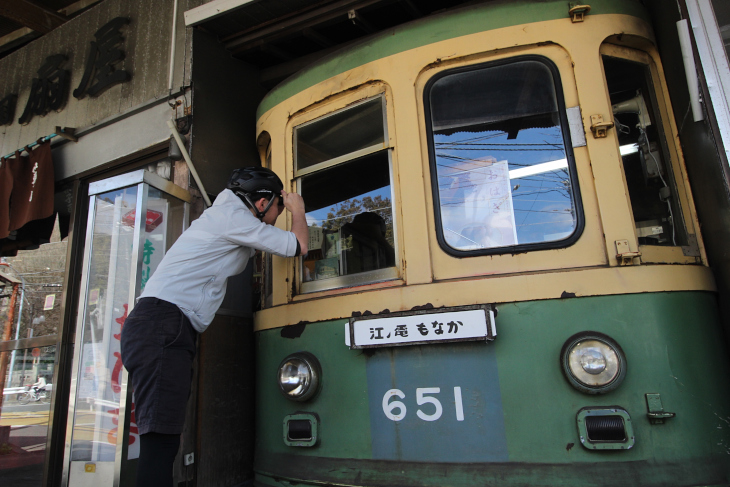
(85, 136)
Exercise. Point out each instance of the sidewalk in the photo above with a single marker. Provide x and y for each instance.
(24, 476)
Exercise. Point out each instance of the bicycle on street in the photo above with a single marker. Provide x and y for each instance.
(35, 394)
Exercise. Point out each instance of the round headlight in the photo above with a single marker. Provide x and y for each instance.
(593, 362)
(299, 376)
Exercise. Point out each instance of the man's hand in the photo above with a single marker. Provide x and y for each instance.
(295, 204)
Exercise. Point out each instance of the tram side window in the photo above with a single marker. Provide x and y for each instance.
(501, 163)
(343, 168)
(648, 172)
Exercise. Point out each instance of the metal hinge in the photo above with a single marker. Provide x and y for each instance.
(655, 409)
(623, 254)
(692, 249)
(578, 12)
(599, 127)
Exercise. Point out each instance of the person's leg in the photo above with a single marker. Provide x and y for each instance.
(156, 456)
(158, 347)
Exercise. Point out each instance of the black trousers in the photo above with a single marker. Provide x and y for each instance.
(158, 348)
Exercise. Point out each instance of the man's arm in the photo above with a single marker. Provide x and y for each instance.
(295, 204)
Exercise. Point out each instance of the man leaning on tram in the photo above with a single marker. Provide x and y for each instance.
(181, 298)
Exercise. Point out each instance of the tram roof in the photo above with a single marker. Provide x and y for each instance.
(283, 37)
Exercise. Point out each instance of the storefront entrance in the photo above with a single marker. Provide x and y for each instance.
(133, 220)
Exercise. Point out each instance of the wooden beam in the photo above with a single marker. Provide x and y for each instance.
(285, 28)
(276, 52)
(211, 10)
(317, 38)
(281, 71)
(32, 16)
(412, 9)
(17, 38)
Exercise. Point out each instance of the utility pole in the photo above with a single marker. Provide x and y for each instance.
(6, 337)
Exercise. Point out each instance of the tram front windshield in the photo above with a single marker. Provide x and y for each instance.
(499, 156)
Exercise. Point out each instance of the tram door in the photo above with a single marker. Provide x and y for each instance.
(133, 220)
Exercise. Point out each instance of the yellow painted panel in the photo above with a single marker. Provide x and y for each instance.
(654, 254)
(587, 251)
(497, 289)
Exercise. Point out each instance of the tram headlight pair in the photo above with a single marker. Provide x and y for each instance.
(299, 376)
(593, 362)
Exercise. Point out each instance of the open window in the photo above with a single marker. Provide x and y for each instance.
(343, 170)
(651, 180)
(502, 166)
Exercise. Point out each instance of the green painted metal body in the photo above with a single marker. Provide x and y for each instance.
(465, 21)
(674, 347)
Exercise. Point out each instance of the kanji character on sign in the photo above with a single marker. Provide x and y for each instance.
(147, 251)
(49, 90)
(376, 333)
(401, 330)
(103, 55)
(7, 109)
(146, 274)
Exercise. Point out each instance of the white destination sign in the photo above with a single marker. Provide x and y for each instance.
(469, 323)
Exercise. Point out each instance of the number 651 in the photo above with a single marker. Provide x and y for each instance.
(389, 406)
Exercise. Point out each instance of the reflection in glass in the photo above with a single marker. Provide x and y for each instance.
(350, 218)
(164, 223)
(341, 133)
(41, 272)
(107, 302)
(24, 416)
(500, 158)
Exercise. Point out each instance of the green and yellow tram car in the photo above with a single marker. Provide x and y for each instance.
(506, 282)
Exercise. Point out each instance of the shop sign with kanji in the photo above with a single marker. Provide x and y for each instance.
(50, 90)
(466, 323)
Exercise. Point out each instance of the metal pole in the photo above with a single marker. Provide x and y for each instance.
(690, 69)
(17, 330)
(173, 41)
(6, 337)
(189, 161)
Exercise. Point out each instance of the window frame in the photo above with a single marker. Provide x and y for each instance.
(385, 274)
(569, 155)
(693, 252)
(351, 156)
(264, 145)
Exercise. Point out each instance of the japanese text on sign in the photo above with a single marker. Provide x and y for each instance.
(408, 329)
(49, 91)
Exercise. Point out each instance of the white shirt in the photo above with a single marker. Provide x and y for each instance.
(194, 272)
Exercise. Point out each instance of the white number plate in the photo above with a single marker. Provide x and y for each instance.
(468, 323)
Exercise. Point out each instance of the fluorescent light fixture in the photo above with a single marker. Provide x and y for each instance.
(628, 149)
(538, 169)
